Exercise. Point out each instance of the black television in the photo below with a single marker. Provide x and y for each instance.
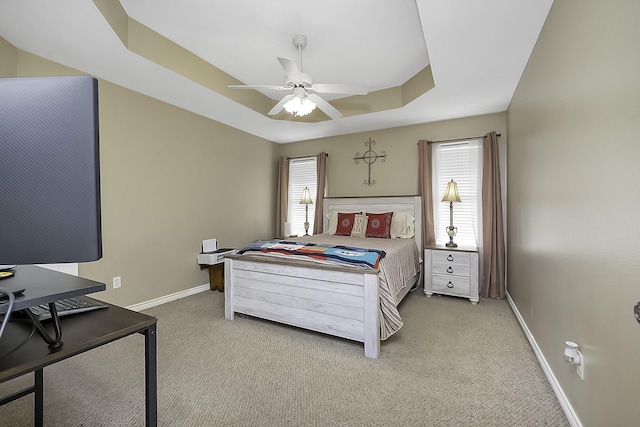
(49, 170)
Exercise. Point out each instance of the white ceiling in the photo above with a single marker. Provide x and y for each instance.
(477, 51)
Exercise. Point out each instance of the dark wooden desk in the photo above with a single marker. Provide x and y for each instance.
(81, 332)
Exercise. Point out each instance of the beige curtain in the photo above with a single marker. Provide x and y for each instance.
(493, 276)
(322, 185)
(425, 188)
(282, 203)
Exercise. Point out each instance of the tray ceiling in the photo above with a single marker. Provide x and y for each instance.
(423, 61)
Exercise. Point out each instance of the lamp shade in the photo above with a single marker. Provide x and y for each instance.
(451, 195)
(306, 198)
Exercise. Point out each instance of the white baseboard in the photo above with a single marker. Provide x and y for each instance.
(571, 415)
(168, 298)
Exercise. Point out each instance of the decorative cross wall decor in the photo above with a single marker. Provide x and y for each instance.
(370, 157)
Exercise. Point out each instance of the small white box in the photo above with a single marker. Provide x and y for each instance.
(209, 245)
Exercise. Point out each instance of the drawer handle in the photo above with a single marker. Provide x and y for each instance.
(449, 257)
(449, 285)
(449, 270)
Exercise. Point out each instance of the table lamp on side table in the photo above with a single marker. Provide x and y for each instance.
(451, 195)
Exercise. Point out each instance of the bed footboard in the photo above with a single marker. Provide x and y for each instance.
(337, 302)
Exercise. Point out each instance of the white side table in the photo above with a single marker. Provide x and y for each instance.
(452, 271)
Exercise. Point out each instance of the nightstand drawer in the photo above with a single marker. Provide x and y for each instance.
(450, 257)
(451, 285)
(450, 269)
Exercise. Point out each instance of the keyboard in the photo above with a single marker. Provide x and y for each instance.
(66, 307)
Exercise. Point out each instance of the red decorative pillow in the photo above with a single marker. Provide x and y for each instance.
(379, 225)
(345, 224)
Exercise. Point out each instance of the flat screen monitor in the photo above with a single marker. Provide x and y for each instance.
(49, 170)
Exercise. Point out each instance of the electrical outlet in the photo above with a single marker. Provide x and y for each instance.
(117, 282)
(580, 368)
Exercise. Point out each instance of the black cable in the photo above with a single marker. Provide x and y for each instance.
(5, 320)
(33, 331)
(7, 315)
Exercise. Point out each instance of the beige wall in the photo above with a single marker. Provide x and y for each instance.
(170, 179)
(398, 174)
(9, 62)
(574, 169)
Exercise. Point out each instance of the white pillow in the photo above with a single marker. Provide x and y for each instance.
(360, 225)
(402, 226)
(332, 216)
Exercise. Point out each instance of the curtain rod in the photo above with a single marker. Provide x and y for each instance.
(303, 157)
(461, 139)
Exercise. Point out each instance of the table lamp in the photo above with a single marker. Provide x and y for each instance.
(451, 195)
(306, 201)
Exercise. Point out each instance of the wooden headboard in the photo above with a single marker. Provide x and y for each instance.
(409, 204)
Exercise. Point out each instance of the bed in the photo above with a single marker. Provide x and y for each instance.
(352, 302)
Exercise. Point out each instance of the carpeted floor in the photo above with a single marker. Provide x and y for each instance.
(451, 364)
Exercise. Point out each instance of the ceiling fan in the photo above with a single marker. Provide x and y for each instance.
(304, 92)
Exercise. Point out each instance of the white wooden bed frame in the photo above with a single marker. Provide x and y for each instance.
(339, 301)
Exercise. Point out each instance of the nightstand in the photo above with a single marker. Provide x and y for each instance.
(451, 271)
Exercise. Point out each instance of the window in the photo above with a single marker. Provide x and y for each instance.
(462, 162)
(302, 173)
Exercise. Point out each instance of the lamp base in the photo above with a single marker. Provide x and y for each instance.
(451, 231)
(306, 218)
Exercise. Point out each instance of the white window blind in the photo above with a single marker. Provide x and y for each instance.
(302, 173)
(461, 162)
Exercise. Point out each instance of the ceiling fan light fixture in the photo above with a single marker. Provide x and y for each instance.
(299, 106)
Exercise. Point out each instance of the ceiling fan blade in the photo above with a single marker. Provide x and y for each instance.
(291, 69)
(340, 88)
(278, 107)
(270, 87)
(327, 108)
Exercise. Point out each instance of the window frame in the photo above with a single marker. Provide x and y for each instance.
(303, 172)
(462, 162)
